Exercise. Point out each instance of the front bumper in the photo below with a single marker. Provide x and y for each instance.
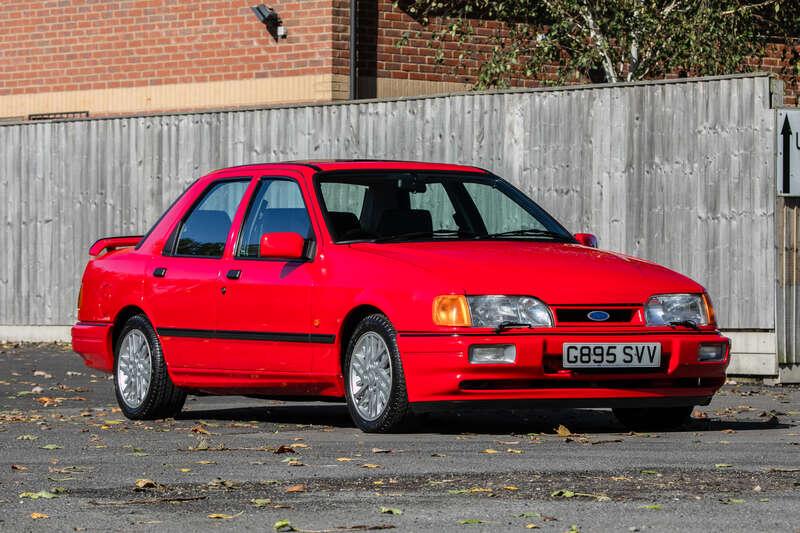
(438, 370)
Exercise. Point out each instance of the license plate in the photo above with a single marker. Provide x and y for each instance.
(643, 355)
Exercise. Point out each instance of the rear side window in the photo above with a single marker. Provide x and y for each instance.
(277, 206)
(204, 232)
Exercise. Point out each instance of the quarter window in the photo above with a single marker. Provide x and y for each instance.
(277, 206)
(205, 230)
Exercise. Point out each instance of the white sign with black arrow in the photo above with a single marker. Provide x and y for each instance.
(788, 161)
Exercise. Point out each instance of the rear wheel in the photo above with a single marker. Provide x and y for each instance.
(653, 418)
(143, 388)
(375, 386)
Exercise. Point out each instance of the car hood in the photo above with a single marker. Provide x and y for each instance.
(556, 273)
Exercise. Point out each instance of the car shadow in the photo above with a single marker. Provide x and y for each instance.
(578, 421)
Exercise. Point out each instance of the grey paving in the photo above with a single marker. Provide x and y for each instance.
(736, 467)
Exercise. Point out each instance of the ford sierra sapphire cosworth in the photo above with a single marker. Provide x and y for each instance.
(398, 287)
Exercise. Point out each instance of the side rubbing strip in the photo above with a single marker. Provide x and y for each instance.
(247, 335)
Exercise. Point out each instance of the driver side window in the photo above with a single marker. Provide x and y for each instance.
(277, 206)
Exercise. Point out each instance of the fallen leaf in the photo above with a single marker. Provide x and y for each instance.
(184, 470)
(729, 431)
(380, 450)
(223, 516)
(470, 521)
(490, 451)
(563, 431)
(370, 465)
(472, 490)
(200, 430)
(296, 488)
(343, 459)
(652, 507)
(42, 374)
(38, 495)
(731, 501)
(39, 516)
(27, 437)
(511, 487)
(390, 510)
(284, 449)
(145, 484)
(283, 526)
(649, 472)
(261, 502)
(699, 414)
(294, 462)
(50, 447)
(514, 450)
(531, 526)
(722, 465)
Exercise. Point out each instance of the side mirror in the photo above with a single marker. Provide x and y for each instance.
(586, 239)
(282, 245)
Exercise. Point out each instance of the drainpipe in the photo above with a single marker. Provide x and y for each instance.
(353, 49)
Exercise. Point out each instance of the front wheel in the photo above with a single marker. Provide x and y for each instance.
(144, 389)
(375, 386)
(654, 418)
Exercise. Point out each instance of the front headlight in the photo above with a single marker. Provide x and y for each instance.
(666, 309)
(490, 311)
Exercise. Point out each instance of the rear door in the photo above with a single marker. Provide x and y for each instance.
(183, 284)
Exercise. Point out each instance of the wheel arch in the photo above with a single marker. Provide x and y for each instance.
(119, 322)
(349, 324)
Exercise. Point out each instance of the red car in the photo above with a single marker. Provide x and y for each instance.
(400, 287)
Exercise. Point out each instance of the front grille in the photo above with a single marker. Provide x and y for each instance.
(581, 315)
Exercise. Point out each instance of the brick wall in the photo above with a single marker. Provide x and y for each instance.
(77, 45)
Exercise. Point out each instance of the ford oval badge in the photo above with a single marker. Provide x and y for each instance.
(598, 316)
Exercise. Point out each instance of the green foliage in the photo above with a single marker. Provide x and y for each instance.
(609, 40)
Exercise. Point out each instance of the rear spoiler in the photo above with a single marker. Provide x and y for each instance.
(108, 244)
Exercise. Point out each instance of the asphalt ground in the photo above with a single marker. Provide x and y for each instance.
(69, 461)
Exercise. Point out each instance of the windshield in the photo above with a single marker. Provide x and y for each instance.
(404, 207)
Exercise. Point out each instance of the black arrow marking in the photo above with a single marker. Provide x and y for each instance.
(786, 133)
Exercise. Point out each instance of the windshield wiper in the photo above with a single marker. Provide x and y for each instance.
(527, 232)
(430, 234)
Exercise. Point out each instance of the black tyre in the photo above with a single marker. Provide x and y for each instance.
(144, 389)
(654, 418)
(375, 386)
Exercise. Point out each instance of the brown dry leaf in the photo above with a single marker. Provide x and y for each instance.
(294, 462)
(19, 468)
(511, 487)
(729, 431)
(42, 374)
(380, 450)
(490, 451)
(200, 430)
(296, 488)
(39, 516)
(563, 431)
(47, 401)
(370, 465)
(145, 484)
(514, 450)
(697, 413)
(284, 449)
(344, 459)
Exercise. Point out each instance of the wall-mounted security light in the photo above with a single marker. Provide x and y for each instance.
(270, 18)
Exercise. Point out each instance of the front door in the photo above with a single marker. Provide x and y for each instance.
(183, 284)
(265, 315)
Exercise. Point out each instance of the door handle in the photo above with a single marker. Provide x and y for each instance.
(233, 274)
(160, 272)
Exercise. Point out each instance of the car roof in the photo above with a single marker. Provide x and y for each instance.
(333, 165)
